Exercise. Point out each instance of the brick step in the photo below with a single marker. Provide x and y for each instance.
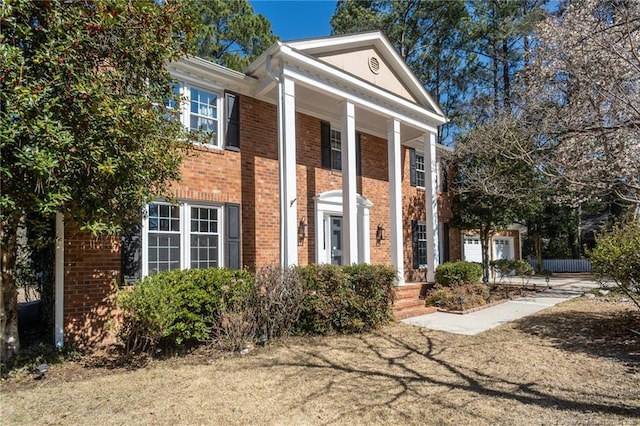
(408, 303)
(413, 312)
(410, 291)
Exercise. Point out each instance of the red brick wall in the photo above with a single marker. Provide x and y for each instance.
(455, 244)
(259, 183)
(250, 177)
(210, 175)
(91, 265)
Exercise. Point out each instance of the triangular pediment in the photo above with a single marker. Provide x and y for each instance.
(371, 58)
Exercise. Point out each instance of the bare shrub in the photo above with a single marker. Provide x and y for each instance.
(235, 328)
(277, 300)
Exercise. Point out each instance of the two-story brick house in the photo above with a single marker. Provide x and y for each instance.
(322, 151)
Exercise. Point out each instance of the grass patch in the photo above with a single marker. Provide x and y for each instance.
(527, 372)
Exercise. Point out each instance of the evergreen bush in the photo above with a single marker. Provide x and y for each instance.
(458, 273)
(180, 306)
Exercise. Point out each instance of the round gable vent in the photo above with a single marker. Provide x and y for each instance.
(374, 65)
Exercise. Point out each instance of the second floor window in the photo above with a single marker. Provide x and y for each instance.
(420, 177)
(203, 113)
(336, 150)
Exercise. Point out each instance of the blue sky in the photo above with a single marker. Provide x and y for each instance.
(295, 19)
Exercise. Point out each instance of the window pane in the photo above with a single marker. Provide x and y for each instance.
(163, 252)
(336, 150)
(420, 177)
(422, 243)
(204, 251)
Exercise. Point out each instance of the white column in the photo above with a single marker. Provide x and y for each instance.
(349, 188)
(395, 197)
(364, 242)
(59, 282)
(431, 204)
(287, 157)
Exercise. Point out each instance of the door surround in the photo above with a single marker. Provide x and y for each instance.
(329, 203)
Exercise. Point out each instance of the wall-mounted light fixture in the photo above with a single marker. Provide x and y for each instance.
(380, 234)
(302, 230)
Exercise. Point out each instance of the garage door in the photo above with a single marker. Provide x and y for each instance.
(502, 248)
(472, 250)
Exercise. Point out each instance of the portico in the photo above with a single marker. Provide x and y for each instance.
(386, 101)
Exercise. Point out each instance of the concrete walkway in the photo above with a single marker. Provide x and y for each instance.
(562, 289)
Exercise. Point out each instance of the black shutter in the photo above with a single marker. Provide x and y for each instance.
(131, 252)
(412, 164)
(233, 236)
(414, 243)
(445, 177)
(232, 106)
(325, 144)
(358, 155)
(445, 243)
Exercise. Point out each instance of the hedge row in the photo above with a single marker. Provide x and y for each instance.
(230, 307)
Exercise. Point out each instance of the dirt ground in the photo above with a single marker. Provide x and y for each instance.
(575, 363)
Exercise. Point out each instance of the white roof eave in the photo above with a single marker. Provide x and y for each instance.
(379, 40)
(212, 72)
(325, 70)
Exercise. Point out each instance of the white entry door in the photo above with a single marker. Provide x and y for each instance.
(335, 240)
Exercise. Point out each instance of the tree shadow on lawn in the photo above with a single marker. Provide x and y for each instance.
(392, 368)
(605, 334)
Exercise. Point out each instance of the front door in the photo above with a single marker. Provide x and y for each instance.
(335, 227)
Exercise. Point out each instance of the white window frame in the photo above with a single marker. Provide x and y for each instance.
(185, 233)
(335, 136)
(420, 171)
(185, 111)
(426, 243)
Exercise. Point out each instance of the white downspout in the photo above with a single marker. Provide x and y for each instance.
(59, 282)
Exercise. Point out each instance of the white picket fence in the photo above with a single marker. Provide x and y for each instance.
(563, 265)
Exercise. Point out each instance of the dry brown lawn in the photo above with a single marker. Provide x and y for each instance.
(575, 363)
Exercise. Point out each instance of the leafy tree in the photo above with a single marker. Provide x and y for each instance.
(85, 117)
(617, 257)
(498, 33)
(492, 189)
(466, 52)
(231, 34)
(428, 35)
(552, 232)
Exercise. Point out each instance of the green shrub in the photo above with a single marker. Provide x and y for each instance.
(458, 273)
(458, 297)
(617, 257)
(345, 299)
(180, 306)
(374, 285)
(515, 266)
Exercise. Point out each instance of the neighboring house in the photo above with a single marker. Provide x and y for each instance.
(504, 244)
(322, 151)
